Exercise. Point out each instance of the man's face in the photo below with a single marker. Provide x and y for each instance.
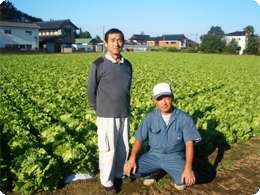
(164, 103)
(114, 44)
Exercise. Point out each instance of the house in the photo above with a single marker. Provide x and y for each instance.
(190, 43)
(136, 48)
(153, 42)
(178, 41)
(139, 39)
(19, 35)
(56, 34)
(88, 44)
(240, 36)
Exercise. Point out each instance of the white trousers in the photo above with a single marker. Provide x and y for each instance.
(113, 145)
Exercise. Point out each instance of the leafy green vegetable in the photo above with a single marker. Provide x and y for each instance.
(35, 171)
(48, 130)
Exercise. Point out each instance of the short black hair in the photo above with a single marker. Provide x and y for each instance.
(114, 30)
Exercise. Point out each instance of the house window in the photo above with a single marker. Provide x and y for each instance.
(22, 46)
(7, 31)
(8, 45)
(173, 42)
(28, 32)
(68, 33)
(28, 46)
(167, 42)
(40, 33)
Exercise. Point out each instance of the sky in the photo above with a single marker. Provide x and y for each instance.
(192, 18)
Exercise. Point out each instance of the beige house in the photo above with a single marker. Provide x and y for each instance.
(170, 41)
(173, 41)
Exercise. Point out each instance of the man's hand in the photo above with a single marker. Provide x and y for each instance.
(189, 177)
(129, 165)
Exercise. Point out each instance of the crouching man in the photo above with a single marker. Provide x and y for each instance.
(171, 133)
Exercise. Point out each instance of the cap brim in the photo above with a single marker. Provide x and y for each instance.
(160, 94)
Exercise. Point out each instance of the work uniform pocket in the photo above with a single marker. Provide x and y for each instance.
(155, 137)
(103, 142)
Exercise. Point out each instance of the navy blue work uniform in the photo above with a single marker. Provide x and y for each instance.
(167, 144)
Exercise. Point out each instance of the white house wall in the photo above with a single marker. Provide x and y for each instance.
(241, 42)
(18, 36)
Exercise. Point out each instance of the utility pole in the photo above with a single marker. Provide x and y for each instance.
(103, 39)
(163, 38)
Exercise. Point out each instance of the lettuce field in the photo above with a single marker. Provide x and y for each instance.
(48, 130)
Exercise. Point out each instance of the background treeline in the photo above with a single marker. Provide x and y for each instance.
(9, 12)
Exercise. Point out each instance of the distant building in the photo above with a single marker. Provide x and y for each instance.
(137, 48)
(153, 42)
(240, 36)
(56, 34)
(139, 39)
(178, 41)
(88, 44)
(19, 35)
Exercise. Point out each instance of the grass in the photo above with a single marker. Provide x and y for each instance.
(162, 182)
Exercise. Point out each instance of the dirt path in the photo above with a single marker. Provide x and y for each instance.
(232, 170)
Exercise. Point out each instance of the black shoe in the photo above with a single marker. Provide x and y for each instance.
(110, 190)
(126, 179)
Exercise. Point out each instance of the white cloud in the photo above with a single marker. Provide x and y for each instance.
(258, 1)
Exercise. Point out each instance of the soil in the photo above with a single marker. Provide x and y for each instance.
(231, 169)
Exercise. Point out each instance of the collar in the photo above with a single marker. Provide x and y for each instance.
(110, 58)
(175, 112)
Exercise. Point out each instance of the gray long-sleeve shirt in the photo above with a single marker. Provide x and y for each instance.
(108, 88)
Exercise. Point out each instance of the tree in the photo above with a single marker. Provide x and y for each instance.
(82, 34)
(98, 39)
(9, 12)
(217, 31)
(86, 34)
(232, 47)
(249, 31)
(211, 43)
(253, 46)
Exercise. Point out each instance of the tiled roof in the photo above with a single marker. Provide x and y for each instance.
(55, 24)
(237, 33)
(139, 37)
(153, 39)
(171, 37)
(18, 24)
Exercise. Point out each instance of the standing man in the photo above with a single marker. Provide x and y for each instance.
(171, 133)
(108, 93)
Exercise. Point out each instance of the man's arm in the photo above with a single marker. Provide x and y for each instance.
(188, 173)
(131, 163)
(92, 87)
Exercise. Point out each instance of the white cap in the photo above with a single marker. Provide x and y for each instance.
(161, 89)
